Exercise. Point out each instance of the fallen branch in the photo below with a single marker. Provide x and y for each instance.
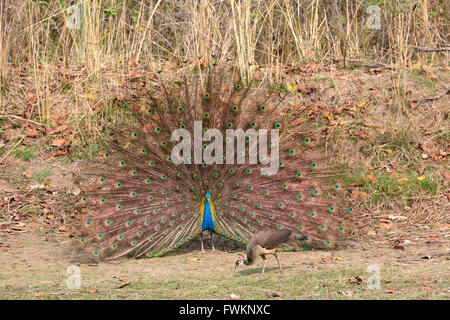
(432, 98)
(426, 257)
(368, 63)
(426, 49)
(7, 116)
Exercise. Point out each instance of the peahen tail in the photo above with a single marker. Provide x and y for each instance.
(210, 151)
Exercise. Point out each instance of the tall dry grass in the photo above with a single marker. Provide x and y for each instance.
(255, 33)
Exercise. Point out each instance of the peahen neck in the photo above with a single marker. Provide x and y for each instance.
(249, 260)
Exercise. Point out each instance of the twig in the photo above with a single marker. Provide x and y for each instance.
(432, 98)
(426, 49)
(122, 285)
(20, 118)
(12, 149)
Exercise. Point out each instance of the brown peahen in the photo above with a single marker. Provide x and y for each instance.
(211, 154)
(264, 243)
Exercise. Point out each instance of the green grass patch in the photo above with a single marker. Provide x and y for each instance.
(41, 175)
(279, 88)
(385, 186)
(419, 78)
(26, 154)
(400, 143)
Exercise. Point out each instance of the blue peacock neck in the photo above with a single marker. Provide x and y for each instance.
(208, 219)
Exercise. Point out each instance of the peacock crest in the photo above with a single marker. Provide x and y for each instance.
(210, 151)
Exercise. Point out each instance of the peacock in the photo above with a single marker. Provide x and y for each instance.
(211, 153)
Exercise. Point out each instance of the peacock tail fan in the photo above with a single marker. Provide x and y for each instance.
(146, 199)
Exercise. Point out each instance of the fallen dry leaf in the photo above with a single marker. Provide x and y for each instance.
(385, 226)
(357, 184)
(91, 291)
(257, 74)
(59, 142)
(32, 131)
(60, 129)
(27, 175)
(193, 259)
(361, 195)
(62, 152)
(31, 98)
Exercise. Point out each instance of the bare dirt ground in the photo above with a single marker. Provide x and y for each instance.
(34, 265)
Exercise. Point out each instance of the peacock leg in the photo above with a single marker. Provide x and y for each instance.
(264, 266)
(201, 242)
(212, 242)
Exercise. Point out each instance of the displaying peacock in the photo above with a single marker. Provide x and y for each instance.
(210, 154)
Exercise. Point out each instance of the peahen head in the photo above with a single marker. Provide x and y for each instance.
(240, 262)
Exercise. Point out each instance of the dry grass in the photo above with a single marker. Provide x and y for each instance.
(112, 35)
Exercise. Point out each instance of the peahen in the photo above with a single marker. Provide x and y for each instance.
(264, 243)
(210, 154)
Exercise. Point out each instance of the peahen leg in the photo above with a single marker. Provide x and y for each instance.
(264, 266)
(279, 264)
